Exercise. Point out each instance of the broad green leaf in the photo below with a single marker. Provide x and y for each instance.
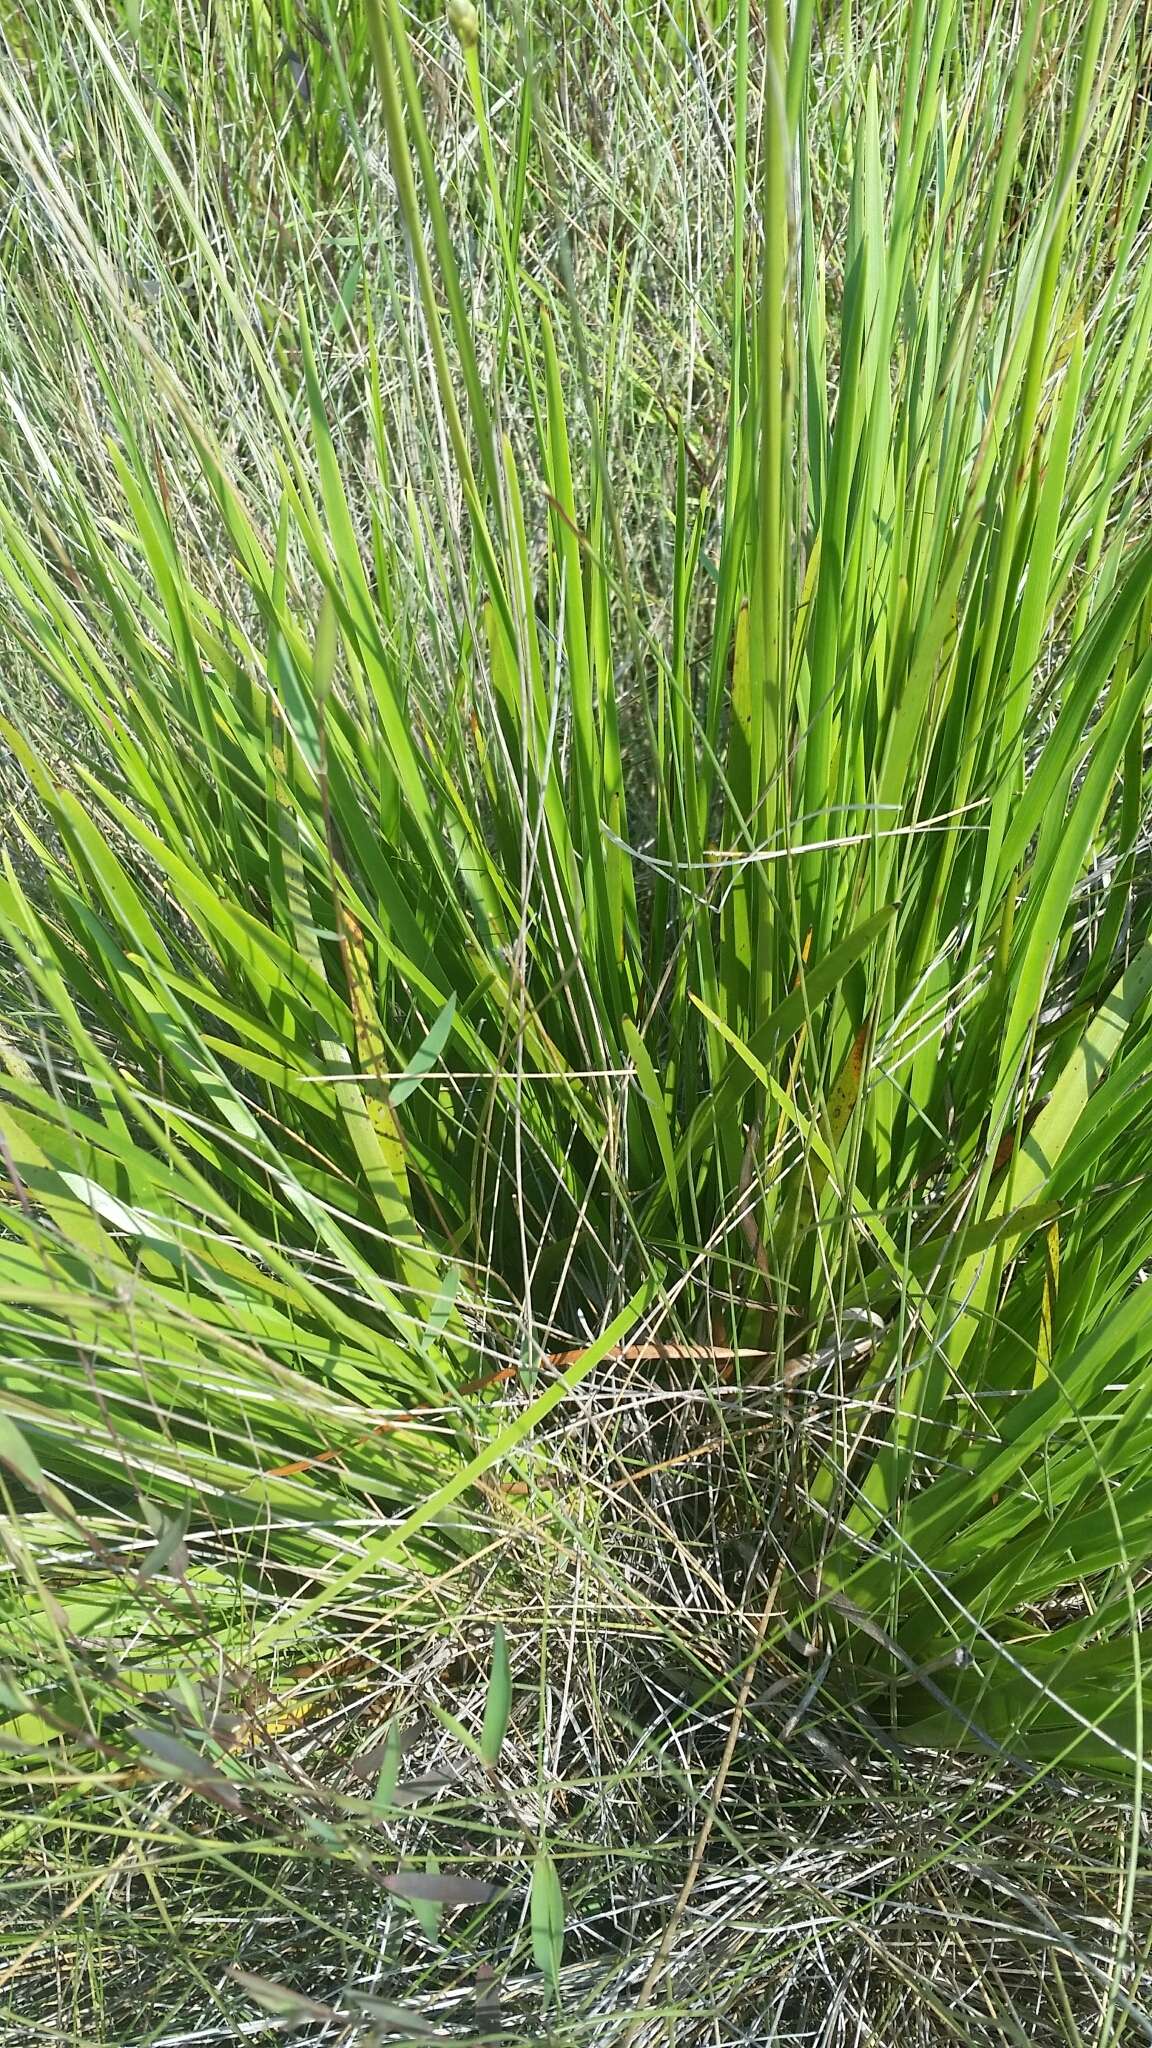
(441, 1887)
(280, 2000)
(498, 1704)
(167, 1553)
(17, 1453)
(546, 1918)
(396, 2019)
(388, 1776)
(424, 1059)
(653, 1096)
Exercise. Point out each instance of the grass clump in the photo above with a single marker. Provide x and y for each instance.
(578, 1073)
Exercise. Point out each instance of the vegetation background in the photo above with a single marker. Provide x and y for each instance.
(575, 1063)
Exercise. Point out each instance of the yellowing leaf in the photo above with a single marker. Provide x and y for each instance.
(842, 1101)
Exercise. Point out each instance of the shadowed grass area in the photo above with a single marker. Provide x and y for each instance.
(574, 1099)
